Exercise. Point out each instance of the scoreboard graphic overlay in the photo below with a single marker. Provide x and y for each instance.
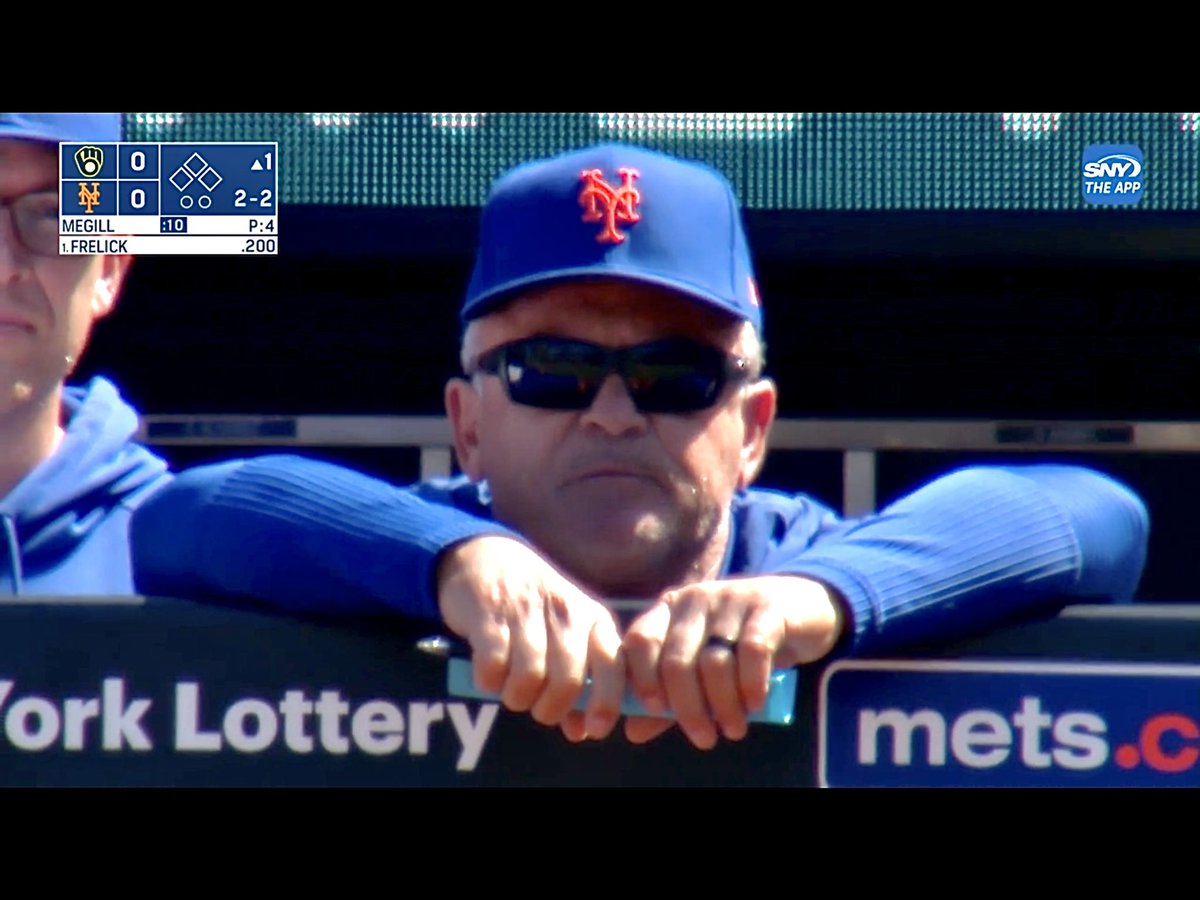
(169, 199)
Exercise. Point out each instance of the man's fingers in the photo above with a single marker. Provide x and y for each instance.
(641, 729)
(489, 655)
(762, 633)
(678, 670)
(606, 662)
(483, 585)
(573, 727)
(643, 646)
(566, 657)
(535, 636)
(527, 655)
(719, 679)
(718, 666)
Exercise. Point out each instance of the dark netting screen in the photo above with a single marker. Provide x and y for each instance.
(835, 161)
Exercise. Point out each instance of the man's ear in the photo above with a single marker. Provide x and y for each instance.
(758, 415)
(463, 407)
(113, 270)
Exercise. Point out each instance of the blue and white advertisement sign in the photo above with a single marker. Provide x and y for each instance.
(1008, 724)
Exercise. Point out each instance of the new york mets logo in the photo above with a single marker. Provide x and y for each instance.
(602, 202)
(89, 198)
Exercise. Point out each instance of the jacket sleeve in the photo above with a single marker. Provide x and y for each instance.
(975, 548)
(297, 534)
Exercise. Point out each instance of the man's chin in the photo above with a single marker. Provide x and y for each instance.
(629, 559)
(618, 534)
(626, 582)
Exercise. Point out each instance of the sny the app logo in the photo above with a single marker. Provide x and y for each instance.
(1113, 174)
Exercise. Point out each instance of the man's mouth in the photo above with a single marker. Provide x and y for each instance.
(610, 472)
(15, 324)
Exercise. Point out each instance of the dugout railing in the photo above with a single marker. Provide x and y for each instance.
(858, 441)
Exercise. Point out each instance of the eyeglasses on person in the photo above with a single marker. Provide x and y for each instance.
(35, 221)
(675, 375)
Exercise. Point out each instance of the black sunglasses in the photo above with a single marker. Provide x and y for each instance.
(669, 376)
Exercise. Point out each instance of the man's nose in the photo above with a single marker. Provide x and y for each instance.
(13, 254)
(613, 411)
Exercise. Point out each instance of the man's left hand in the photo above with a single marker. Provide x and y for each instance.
(706, 651)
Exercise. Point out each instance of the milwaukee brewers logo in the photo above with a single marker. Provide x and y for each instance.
(89, 161)
(89, 198)
(602, 202)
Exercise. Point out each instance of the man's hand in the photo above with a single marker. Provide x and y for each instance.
(535, 636)
(706, 651)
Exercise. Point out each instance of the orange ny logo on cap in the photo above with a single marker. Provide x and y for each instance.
(602, 202)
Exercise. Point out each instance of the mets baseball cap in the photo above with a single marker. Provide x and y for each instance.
(620, 211)
(55, 127)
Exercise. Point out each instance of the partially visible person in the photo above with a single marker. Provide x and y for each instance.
(70, 472)
(611, 419)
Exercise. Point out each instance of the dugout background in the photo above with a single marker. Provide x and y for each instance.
(912, 265)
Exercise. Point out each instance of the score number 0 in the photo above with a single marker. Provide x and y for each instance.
(137, 162)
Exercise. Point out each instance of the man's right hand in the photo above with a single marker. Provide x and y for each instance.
(535, 636)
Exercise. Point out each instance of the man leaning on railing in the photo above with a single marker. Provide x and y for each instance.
(611, 419)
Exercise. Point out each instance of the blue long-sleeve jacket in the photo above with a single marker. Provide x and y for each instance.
(968, 550)
(64, 528)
